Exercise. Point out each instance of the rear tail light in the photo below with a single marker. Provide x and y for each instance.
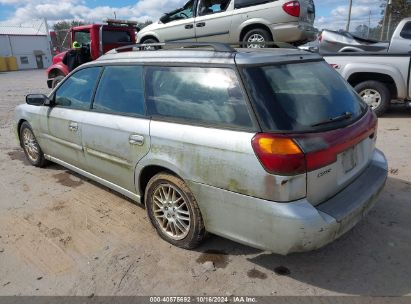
(300, 153)
(320, 38)
(279, 155)
(292, 8)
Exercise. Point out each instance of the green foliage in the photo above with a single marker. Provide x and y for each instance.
(62, 30)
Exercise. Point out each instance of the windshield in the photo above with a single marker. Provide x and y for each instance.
(182, 13)
(300, 97)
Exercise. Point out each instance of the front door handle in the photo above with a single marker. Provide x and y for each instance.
(73, 126)
(136, 139)
(200, 24)
(188, 26)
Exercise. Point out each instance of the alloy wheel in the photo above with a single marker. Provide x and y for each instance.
(30, 145)
(371, 97)
(171, 211)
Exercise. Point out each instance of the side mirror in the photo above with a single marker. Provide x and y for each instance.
(37, 99)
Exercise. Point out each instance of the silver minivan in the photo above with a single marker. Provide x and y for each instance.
(231, 21)
(269, 148)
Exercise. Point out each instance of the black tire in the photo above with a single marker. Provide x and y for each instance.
(149, 41)
(56, 81)
(374, 88)
(262, 33)
(29, 146)
(194, 230)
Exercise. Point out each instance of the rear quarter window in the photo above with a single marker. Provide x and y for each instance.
(210, 96)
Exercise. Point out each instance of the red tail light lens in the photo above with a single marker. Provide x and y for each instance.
(300, 153)
(320, 38)
(292, 8)
(278, 154)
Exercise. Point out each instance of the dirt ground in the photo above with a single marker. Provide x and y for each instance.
(61, 234)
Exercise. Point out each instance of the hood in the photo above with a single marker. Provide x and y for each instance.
(150, 27)
(59, 57)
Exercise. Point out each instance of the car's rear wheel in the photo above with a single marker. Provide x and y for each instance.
(174, 212)
(375, 94)
(256, 38)
(30, 146)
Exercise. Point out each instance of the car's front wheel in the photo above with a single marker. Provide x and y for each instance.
(174, 212)
(375, 94)
(30, 146)
(150, 47)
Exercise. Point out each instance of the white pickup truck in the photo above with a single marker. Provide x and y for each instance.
(378, 78)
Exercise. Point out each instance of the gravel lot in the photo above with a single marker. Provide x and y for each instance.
(61, 234)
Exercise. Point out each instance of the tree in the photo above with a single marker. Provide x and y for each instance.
(142, 25)
(393, 12)
(62, 29)
(362, 31)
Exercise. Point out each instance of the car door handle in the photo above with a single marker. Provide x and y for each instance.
(188, 26)
(73, 126)
(200, 24)
(136, 139)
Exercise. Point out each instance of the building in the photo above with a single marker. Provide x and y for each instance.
(30, 45)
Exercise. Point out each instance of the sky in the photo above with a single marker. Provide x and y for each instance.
(330, 14)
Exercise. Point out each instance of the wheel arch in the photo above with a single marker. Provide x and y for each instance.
(21, 121)
(357, 78)
(253, 26)
(148, 36)
(147, 173)
(55, 72)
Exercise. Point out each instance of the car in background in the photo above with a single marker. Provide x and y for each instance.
(96, 39)
(342, 41)
(253, 22)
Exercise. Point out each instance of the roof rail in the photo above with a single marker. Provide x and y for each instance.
(217, 46)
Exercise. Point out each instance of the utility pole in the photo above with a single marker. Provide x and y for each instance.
(349, 17)
(369, 25)
(387, 11)
(389, 20)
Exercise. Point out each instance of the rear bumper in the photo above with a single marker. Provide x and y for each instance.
(293, 32)
(290, 227)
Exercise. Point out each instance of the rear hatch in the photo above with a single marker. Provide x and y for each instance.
(311, 104)
(307, 11)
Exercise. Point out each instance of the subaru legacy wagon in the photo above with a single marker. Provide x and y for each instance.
(269, 148)
(253, 22)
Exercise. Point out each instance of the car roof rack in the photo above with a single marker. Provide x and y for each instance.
(217, 46)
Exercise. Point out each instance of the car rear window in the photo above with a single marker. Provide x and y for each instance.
(116, 37)
(301, 97)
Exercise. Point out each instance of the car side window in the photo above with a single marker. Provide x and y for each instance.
(121, 91)
(208, 7)
(209, 96)
(247, 3)
(77, 91)
(406, 31)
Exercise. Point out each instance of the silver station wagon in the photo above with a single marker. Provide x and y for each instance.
(269, 148)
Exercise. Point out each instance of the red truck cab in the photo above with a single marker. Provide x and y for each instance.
(96, 39)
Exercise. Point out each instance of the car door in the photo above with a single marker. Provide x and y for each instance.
(179, 24)
(71, 102)
(116, 131)
(213, 21)
(401, 43)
